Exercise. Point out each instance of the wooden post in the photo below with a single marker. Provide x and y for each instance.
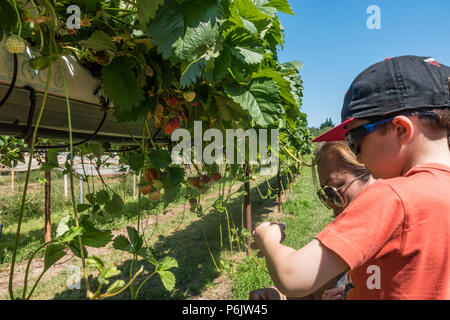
(279, 188)
(248, 204)
(12, 179)
(48, 194)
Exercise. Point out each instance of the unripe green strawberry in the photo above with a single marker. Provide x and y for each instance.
(157, 183)
(189, 96)
(15, 44)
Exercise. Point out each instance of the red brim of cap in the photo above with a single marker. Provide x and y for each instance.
(335, 134)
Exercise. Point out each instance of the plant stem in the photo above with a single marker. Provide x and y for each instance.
(75, 215)
(27, 269)
(27, 178)
(139, 288)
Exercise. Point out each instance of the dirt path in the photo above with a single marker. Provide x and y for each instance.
(220, 288)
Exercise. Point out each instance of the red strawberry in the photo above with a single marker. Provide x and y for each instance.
(155, 195)
(216, 176)
(151, 174)
(174, 123)
(193, 203)
(206, 179)
(196, 182)
(168, 129)
(145, 189)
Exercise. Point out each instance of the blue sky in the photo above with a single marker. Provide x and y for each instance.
(332, 40)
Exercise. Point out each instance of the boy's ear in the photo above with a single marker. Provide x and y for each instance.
(404, 128)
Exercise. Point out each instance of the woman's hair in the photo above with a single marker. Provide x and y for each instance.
(343, 158)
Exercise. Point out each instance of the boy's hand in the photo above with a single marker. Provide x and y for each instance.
(334, 294)
(267, 232)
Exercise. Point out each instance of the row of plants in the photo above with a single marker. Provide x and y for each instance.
(163, 64)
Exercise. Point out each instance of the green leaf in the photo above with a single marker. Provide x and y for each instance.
(53, 253)
(70, 234)
(96, 262)
(39, 63)
(121, 84)
(82, 207)
(160, 158)
(192, 72)
(115, 286)
(147, 254)
(260, 99)
(166, 264)
(121, 243)
(115, 205)
(228, 109)
(167, 28)
(176, 175)
(283, 84)
(201, 29)
(93, 237)
(136, 162)
(249, 55)
(63, 226)
(99, 41)
(147, 9)
(135, 239)
(168, 279)
(110, 272)
(184, 31)
(75, 248)
(220, 67)
(282, 6)
(8, 18)
(102, 197)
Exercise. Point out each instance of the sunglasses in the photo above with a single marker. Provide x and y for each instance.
(332, 195)
(355, 136)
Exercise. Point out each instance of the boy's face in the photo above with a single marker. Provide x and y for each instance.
(380, 153)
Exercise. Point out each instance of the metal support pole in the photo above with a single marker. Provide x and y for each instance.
(66, 193)
(81, 189)
(12, 179)
(134, 186)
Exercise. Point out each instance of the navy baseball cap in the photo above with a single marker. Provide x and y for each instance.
(391, 86)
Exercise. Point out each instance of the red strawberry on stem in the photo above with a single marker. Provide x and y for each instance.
(216, 176)
(206, 179)
(155, 195)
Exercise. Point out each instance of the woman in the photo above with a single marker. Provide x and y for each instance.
(341, 178)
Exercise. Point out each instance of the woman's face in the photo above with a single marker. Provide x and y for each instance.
(331, 175)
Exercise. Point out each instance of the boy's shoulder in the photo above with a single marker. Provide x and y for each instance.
(420, 184)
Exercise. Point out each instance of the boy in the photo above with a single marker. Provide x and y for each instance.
(394, 238)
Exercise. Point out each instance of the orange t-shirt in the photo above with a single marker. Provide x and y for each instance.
(395, 236)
